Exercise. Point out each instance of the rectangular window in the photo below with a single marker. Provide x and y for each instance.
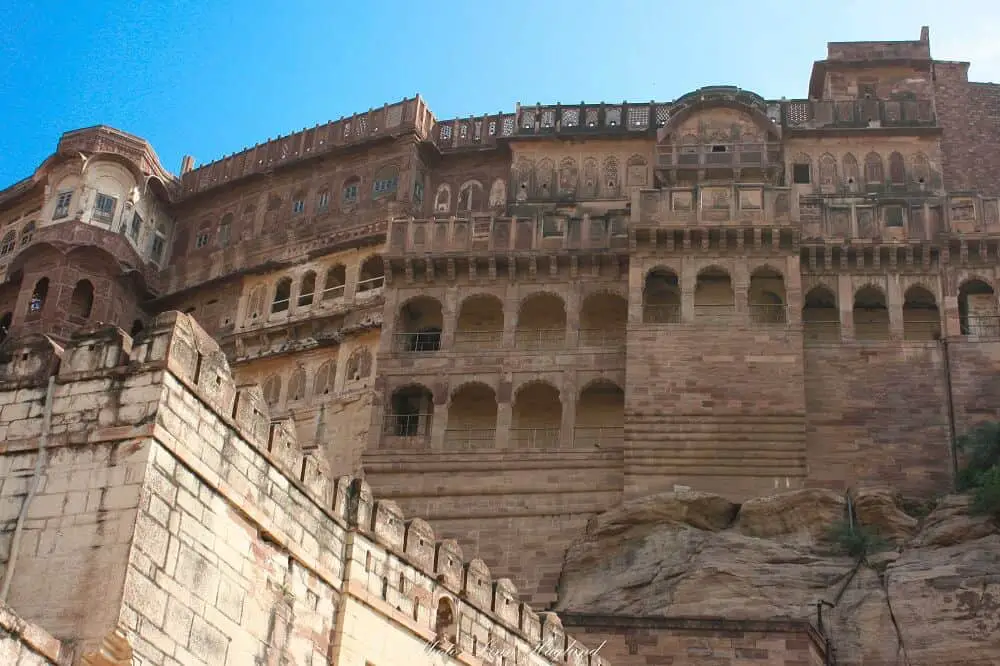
(298, 206)
(136, 227)
(800, 174)
(104, 208)
(351, 193)
(62, 205)
(553, 227)
(894, 216)
(418, 192)
(224, 231)
(156, 249)
(481, 229)
(322, 202)
(201, 240)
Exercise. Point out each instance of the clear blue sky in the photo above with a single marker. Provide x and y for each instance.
(208, 77)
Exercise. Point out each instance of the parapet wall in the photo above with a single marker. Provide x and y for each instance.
(229, 508)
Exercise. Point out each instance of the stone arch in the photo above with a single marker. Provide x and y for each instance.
(541, 321)
(766, 295)
(897, 169)
(874, 173)
(349, 191)
(871, 314)
(271, 388)
(600, 414)
(282, 295)
(498, 194)
(371, 275)
(446, 621)
(8, 243)
(297, 384)
(472, 417)
(225, 232)
(545, 178)
(411, 411)
(852, 174)
(334, 282)
(699, 102)
(977, 308)
(39, 294)
(713, 293)
(419, 323)
(326, 376)
(82, 300)
(611, 177)
(255, 303)
(828, 182)
(359, 364)
(820, 315)
(5, 322)
(537, 415)
(661, 296)
(569, 177)
(603, 318)
(470, 196)
(921, 318)
(307, 289)
(591, 180)
(386, 182)
(28, 232)
(442, 198)
(480, 322)
(524, 178)
(921, 169)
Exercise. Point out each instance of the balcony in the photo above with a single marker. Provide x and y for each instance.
(489, 234)
(718, 156)
(723, 205)
(803, 114)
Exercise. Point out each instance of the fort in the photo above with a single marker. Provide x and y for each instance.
(236, 381)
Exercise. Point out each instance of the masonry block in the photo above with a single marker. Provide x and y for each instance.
(529, 623)
(478, 583)
(284, 447)
(361, 505)
(315, 476)
(553, 634)
(388, 524)
(251, 412)
(419, 544)
(449, 563)
(505, 601)
(100, 349)
(29, 359)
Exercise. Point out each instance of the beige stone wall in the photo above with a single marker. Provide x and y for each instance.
(26, 644)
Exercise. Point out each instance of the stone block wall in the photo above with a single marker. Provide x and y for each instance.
(25, 644)
(176, 512)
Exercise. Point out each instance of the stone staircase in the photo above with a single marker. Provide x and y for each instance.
(732, 454)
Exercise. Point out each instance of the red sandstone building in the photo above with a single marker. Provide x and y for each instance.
(510, 322)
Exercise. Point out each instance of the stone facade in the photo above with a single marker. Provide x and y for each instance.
(512, 322)
(168, 518)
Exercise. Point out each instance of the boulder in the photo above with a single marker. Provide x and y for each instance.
(705, 511)
(951, 523)
(879, 508)
(801, 516)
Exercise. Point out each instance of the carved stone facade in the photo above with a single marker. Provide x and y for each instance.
(509, 323)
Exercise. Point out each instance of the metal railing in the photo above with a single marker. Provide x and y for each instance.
(661, 314)
(824, 330)
(719, 313)
(371, 284)
(768, 314)
(408, 343)
(554, 338)
(598, 437)
(534, 438)
(476, 340)
(469, 439)
(407, 425)
(602, 337)
(336, 291)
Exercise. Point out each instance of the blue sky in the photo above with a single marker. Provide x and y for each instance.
(209, 78)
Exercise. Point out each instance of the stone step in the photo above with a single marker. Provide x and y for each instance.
(681, 470)
(650, 434)
(707, 452)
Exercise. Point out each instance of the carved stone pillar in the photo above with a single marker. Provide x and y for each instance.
(845, 303)
(895, 298)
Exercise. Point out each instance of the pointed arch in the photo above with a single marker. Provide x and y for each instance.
(307, 289)
(359, 364)
(828, 173)
(611, 181)
(498, 193)
(524, 178)
(536, 416)
(82, 300)
(590, 183)
(545, 178)
(470, 196)
(921, 318)
(272, 390)
(852, 174)
(820, 315)
(569, 176)
(871, 315)
(472, 417)
(297, 384)
(661, 297)
(442, 198)
(326, 375)
(921, 169)
(897, 169)
(874, 173)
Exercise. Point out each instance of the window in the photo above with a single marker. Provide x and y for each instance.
(894, 216)
(282, 295)
(800, 174)
(27, 233)
(385, 185)
(418, 191)
(62, 205)
(8, 243)
(351, 191)
(225, 229)
(158, 243)
(136, 227)
(719, 148)
(82, 300)
(553, 227)
(323, 201)
(104, 208)
(202, 239)
(38, 295)
(307, 288)
(298, 206)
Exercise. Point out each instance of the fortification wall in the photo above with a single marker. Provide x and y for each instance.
(878, 412)
(233, 546)
(25, 644)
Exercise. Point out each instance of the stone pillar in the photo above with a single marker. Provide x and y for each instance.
(895, 298)
(741, 288)
(388, 318)
(510, 307)
(567, 396)
(845, 303)
(689, 280)
(505, 414)
(793, 290)
(449, 317)
(439, 420)
(636, 283)
(574, 299)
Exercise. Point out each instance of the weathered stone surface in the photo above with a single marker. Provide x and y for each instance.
(686, 507)
(927, 604)
(802, 516)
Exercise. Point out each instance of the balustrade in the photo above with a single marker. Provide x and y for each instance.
(807, 114)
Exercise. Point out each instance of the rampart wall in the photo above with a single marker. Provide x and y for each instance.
(172, 509)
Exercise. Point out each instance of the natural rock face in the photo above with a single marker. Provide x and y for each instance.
(934, 600)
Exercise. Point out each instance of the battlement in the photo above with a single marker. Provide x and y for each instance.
(409, 115)
(174, 385)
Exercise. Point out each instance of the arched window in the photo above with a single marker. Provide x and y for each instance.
(372, 274)
(611, 182)
(27, 233)
(852, 175)
(225, 229)
(282, 295)
(350, 191)
(897, 169)
(470, 196)
(359, 364)
(498, 193)
(158, 243)
(442, 199)
(137, 328)
(874, 174)
(386, 181)
(335, 282)
(255, 304)
(8, 243)
(297, 384)
(569, 176)
(323, 200)
(828, 173)
(5, 323)
(325, 377)
(82, 301)
(544, 178)
(298, 203)
(272, 390)
(445, 622)
(307, 288)
(38, 295)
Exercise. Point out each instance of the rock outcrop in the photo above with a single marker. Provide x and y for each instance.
(928, 596)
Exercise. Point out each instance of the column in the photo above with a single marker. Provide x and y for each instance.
(894, 298)
(505, 414)
(636, 283)
(510, 307)
(572, 305)
(439, 421)
(845, 302)
(449, 317)
(741, 287)
(793, 290)
(689, 280)
(567, 397)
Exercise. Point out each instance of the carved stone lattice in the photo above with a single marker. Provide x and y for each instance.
(114, 651)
